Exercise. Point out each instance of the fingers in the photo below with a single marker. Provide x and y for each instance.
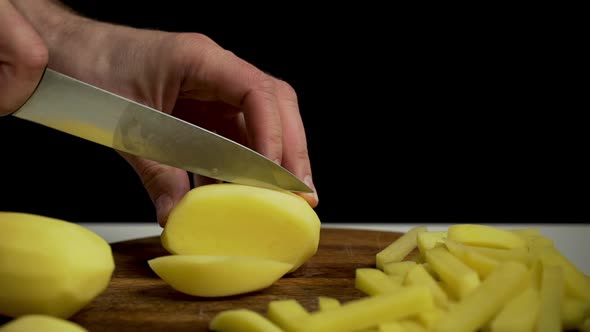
(23, 57)
(213, 73)
(165, 185)
(295, 153)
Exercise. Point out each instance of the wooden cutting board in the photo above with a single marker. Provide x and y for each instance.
(137, 300)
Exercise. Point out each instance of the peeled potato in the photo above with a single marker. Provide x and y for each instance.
(237, 220)
(243, 320)
(31, 323)
(50, 266)
(213, 276)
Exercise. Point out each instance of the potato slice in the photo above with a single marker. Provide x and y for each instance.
(460, 278)
(400, 248)
(215, 276)
(391, 327)
(552, 290)
(475, 310)
(229, 219)
(50, 266)
(485, 236)
(369, 311)
(243, 320)
(44, 323)
(374, 281)
(519, 314)
(286, 314)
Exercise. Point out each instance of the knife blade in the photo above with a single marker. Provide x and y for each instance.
(88, 112)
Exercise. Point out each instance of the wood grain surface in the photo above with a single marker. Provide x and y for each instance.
(138, 300)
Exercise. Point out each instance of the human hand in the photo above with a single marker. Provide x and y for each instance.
(23, 57)
(189, 76)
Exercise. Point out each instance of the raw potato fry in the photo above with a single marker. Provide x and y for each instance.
(399, 268)
(519, 314)
(501, 255)
(399, 248)
(485, 236)
(428, 240)
(573, 312)
(370, 311)
(286, 314)
(412, 326)
(243, 320)
(482, 264)
(552, 289)
(419, 277)
(526, 232)
(391, 327)
(373, 281)
(460, 278)
(327, 303)
(577, 284)
(429, 318)
(472, 312)
(41, 323)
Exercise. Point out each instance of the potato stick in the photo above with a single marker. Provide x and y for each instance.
(485, 301)
(519, 314)
(286, 314)
(399, 268)
(373, 281)
(370, 311)
(573, 312)
(419, 277)
(400, 248)
(577, 284)
(327, 303)
(482, 264)
(243, 320)
(391, 327)
(460, 278)
(552, 289)
(485, 236)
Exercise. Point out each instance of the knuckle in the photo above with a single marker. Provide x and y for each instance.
(35, 58)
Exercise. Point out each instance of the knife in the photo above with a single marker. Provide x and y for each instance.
(83, 110)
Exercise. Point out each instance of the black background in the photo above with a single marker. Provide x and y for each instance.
(421, 115)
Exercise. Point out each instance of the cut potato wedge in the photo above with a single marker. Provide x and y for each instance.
(215, 276)
(286, 314)
(41, 323)
(327, 303)
(400, 248)
(237, 220)
(460, 278)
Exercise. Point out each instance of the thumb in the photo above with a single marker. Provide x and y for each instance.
(166, 185)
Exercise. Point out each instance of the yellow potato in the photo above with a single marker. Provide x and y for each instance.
(481, 263)
(215, 276)
(238, 220)
(369, 311)
(428, 240)
(577, 284)
(399, 268)
(49, 266)
(573, 312)
(551, 295)
(412, 326)
(519, 314)
(400, 248)
(286, 314)
(475, 310)
(41, 323)
(418, 276)
(391, 327)
(374, 281)
(485, 236)
(327, 303)
(242, 320)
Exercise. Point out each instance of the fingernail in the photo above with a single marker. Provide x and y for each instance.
(309, 182)
(163, 207)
